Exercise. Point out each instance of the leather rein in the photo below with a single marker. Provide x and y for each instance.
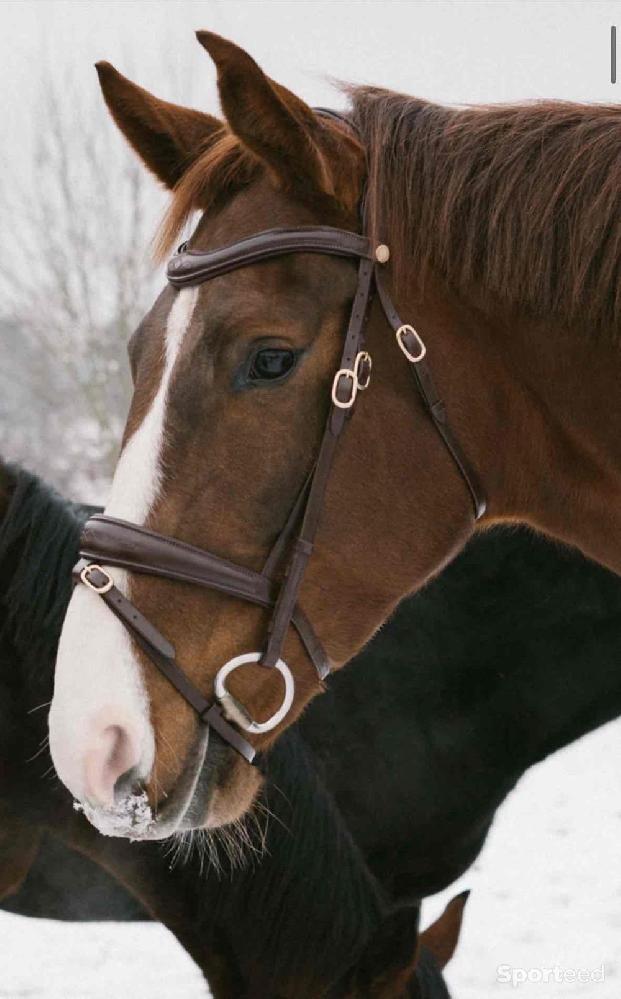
(107, 541)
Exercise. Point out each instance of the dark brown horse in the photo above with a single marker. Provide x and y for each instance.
(302, 917)
(503, 228)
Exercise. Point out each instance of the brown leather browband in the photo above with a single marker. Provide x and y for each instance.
(189, 267)
(107, 541)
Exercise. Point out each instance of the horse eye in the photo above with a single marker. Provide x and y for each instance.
(271, 363)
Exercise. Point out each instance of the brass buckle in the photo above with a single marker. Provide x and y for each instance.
(422, 350)
(345, 373)
(363, 357)
(357, 385)
(105, 587)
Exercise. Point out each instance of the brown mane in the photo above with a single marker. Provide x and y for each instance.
(522, 200)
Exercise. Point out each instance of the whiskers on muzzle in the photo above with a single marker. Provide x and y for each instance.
(227, 848)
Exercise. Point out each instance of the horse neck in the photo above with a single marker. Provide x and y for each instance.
(572, 487)
(535, 407)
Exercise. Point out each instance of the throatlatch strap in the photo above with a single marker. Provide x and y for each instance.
(423, 379)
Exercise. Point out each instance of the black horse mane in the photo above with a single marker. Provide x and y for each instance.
(311, 902)
(38, 545)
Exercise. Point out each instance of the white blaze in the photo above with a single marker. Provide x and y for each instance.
(98, 679)
(138, 474)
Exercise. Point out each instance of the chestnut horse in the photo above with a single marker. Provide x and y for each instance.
(504, 236)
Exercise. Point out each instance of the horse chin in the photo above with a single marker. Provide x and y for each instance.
(224, 790)
(233, 795)
(212, 791)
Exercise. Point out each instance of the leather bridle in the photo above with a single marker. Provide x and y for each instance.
(112, 542)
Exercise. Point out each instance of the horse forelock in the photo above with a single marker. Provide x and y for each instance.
(227, 166)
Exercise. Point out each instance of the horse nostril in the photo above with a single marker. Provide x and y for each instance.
(127, 785)
(111, 765)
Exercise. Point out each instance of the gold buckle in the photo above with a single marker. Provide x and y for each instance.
(105, 587)
(422, 350)
(363, 357)
(345, 373)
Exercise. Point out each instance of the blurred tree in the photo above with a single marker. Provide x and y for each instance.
(76, 277)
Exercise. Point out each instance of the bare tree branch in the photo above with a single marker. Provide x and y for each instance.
(75, 280)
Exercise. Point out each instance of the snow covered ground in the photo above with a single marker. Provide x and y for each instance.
(546, 890)
(546, 894)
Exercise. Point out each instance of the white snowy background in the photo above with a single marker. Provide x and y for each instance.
(546, 891)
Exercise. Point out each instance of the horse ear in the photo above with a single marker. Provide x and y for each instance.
(167, 137)
(442, 937)
(271, 121)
